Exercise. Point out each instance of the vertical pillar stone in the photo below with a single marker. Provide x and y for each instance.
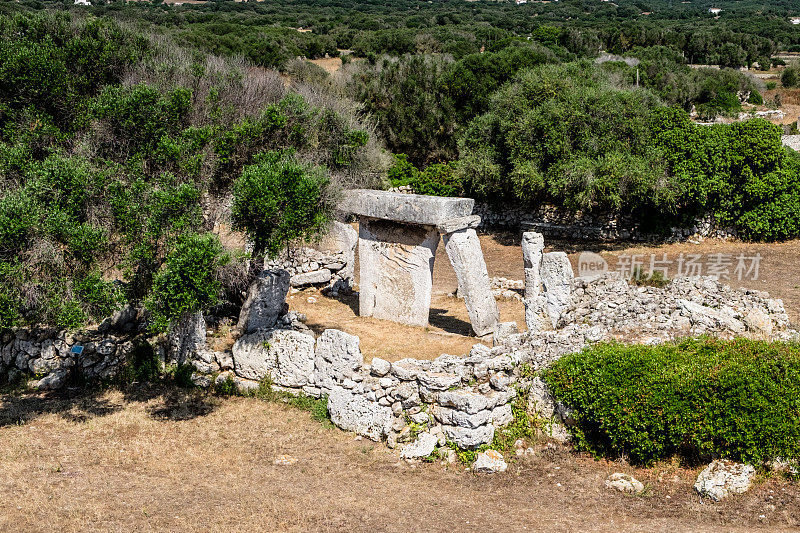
(557, 276)
(396, 270)
(464, 250)
(535, 302)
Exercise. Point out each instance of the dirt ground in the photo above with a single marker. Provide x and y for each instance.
(449, 328)
(170, 460)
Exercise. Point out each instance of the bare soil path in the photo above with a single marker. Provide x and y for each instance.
(169, 460)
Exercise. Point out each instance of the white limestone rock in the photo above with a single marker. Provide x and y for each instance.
(380, 367)
(624, 483)
(489, 462)
(396, 267)
(285, 355)
(453, 417)
(469, 438)
(355, 413)
(722, 478)
(337, 358)
(464, 250)
(557, 276)
(532, 250)
(710, 318)
(316, 277)
(266, 299)
(422, 447)
(406, 208)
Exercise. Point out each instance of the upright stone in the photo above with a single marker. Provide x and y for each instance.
(396, 270)
(535, 303)
(557, 278)
(265, 301)
(464, 250)
(342, 238)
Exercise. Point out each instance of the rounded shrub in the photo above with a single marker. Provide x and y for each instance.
(696, 399)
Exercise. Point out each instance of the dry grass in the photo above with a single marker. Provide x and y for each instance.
(170, 460)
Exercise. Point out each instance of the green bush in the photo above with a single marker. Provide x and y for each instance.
(696, 399)
(278, 200)
(438, 179)
(755, 98)
(789, 77)
(402, 172)
(187, 282)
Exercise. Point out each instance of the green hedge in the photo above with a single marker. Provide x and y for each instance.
(696, 399)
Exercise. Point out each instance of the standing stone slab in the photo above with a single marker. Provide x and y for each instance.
(287, 356)
(535, 303)
(557, 278)
(405, 208)
(265, 301)
(396, 270)
(464, 250)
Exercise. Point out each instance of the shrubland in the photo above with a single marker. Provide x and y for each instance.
(119, 151)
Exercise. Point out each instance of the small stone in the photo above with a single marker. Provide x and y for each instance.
(722, 478)
(285, 460)
(422, 447)
(311, 300)
(624, 483)
(380, 367)
(489, 462)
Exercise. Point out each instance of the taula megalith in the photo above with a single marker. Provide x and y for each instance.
(397, 240)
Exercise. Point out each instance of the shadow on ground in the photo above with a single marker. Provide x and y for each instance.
(169, 402)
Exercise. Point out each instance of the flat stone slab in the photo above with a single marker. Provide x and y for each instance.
(405, 208)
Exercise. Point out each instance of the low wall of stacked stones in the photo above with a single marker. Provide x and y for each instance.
(556, 223)
(50, 358)
(459, 399)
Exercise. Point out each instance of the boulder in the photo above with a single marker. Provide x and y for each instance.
(287, 356)
(710, 318)
(316, 277)
(266, 301)
(380, 367)
(758, 322)
(469, 438)
(489, 462)
(722, 478)
(337, 357)
(355, 413)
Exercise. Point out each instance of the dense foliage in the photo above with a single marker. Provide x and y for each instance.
(116, 151)
(697, 399)
(572, 136)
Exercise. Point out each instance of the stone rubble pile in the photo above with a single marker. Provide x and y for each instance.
(329, 265)
(686, 306)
